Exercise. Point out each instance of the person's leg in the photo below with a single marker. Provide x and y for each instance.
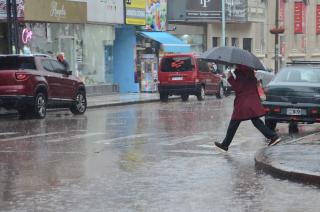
(232, 129)
(266, 131)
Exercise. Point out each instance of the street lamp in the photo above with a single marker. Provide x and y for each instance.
(223, 23)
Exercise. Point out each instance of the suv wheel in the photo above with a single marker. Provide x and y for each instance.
(185, 97)
(163, 97)
(220, 93)
(272, 124)
(201, 95)
(80, 104)
(40, 106)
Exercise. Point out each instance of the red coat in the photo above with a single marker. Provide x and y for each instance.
(247, 102)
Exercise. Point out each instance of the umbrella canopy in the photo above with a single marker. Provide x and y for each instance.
(233, 56)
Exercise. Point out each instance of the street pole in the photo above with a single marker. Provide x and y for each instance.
(223, 23)
(9, 27)
(15, 26)
(276, 49)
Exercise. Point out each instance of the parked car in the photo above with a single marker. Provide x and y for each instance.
(293, 96)
(186, 74)
(31, 84)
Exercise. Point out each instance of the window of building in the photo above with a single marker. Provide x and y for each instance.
(247, 44)
(215, 41)
(226, 41)
(235, 42)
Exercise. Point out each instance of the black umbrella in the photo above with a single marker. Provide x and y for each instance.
(233, 56)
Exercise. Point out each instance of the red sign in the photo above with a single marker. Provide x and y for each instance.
(282, 14)
(299, 17)
(318, 19)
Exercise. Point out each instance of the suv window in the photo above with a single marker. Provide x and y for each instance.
(47, 65)
(177, 64)
(16, 63)
(57, 67)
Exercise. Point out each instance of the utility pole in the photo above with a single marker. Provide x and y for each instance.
(9, 27)
(223, 23)
(12, 27)
(276, 44)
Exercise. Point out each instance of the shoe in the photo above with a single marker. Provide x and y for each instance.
(274, 141)
(221, 147)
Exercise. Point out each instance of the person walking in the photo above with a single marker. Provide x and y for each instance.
(247, 106)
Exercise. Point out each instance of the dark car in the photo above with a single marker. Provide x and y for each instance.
(293, 96)
(186, 74)
(31, 84)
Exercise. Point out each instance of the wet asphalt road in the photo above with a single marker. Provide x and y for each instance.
(149, 157)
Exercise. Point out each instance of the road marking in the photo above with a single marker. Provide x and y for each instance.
(108, 141)
(195, 152)
(11, 151)
(74, 137)
(186, 139)
(9, 133)
(30, 136)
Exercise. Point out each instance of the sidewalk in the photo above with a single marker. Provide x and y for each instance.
(297, 160)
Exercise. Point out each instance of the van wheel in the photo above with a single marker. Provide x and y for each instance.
(201, 94)
(272, 124)
(40, 106)
(163, 97)
(220, 93)
(185, 97)
(80, 104)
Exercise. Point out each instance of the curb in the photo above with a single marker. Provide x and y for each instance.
(265, 163)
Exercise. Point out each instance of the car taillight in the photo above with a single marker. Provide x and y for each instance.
(266, 109)
(277, 110)
(314, 111)
(21, 76)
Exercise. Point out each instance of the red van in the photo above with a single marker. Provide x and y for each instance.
(186, 74)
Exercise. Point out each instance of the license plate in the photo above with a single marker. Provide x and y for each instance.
(295, 111)
(177, 78)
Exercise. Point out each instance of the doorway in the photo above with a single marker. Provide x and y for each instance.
(108, 58)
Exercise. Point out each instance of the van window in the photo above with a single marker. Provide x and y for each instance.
(203, 65)
(177, 64)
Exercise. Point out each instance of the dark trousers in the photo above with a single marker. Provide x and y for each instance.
(234, 124)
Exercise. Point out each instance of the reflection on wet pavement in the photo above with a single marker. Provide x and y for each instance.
(151, 157)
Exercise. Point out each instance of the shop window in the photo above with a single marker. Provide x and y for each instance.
(247, 44)
(215, 41)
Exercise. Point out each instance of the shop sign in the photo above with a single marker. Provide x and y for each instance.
(236, 10)
(318, 19)
(156, 15)
(61, 11)
(282, 14)
(3, 9)
(299, 17)
(203, 10)
(105, 11)
(136, 12)
(26, 35)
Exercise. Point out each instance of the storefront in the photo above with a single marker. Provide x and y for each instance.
(4, 48)
(151, 46)
(62, 26)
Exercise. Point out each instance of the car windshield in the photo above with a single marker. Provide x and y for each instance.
(299, 75)
(177, 64)
(16, 63)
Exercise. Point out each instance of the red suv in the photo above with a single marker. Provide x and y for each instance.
(31, 84)
(185, 74)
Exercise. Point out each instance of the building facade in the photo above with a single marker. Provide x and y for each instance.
(301, 38)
